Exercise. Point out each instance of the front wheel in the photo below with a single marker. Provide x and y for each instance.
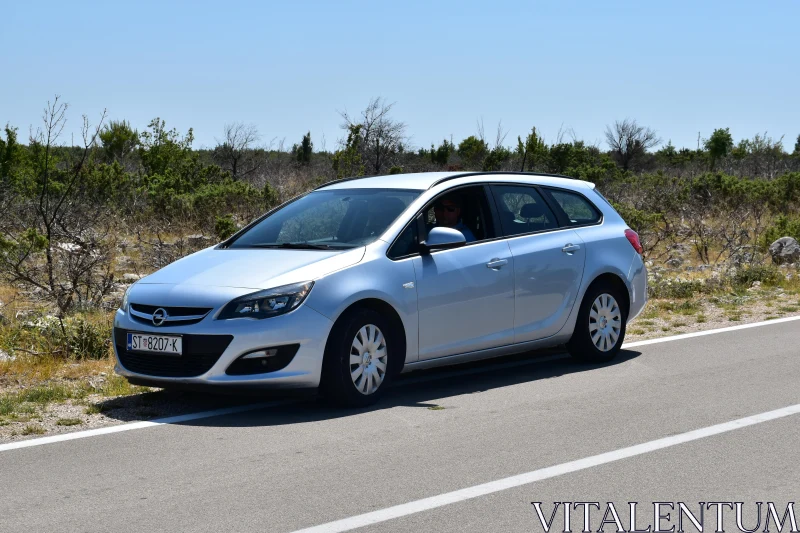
(356, 368)
(600, 327)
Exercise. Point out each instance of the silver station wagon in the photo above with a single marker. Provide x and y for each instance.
(347, 286)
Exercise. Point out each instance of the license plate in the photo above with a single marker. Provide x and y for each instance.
(144, 342)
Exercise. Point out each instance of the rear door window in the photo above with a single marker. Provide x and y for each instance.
(578, 209)
(522, 210)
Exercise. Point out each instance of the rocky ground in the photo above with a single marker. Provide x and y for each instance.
(665, 317)
(96, 410)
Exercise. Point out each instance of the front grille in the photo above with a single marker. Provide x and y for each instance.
(177, 316)
(200, 352)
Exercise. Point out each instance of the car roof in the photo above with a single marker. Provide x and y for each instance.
(426, 180)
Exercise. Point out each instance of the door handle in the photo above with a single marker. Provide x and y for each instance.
(497, 263)
(570, 248)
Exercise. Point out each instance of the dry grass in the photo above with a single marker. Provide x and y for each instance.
(33, 429)
(68, 421)
(9, 296)
(29, 385)
(683, 315)
(30, 371)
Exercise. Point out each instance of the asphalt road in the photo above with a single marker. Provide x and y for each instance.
(304, 464)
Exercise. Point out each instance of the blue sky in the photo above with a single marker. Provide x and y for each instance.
(680, 67)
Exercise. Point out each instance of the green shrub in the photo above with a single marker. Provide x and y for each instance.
(45, 394)
(766, 274)
(224, 227)
(8, 404)
(33, 429)
(79, 336)
(214, 199)
(108, 184)
(786, 192)
(675, 288)
(784, 226)
(271, 196)
(86, 340)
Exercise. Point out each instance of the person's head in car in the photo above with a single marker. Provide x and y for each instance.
(448, 214)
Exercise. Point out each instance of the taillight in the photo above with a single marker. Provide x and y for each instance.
(633, 238)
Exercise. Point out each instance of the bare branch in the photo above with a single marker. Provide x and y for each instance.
(381, 136)
(627, 141)
(235, 153)
(500, 136)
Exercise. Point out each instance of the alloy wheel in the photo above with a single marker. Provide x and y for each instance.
(368, 359)
(605, 322)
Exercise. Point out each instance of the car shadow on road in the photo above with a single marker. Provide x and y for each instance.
(423, 389)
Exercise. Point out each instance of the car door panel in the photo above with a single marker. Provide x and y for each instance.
(548, 268)
(465, 299)
(548, 260)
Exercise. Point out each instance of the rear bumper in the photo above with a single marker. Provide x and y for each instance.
(637, 281)
(304, 327)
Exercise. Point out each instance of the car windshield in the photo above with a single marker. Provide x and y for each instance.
(329, 220)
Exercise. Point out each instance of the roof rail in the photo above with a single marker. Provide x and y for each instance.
(495, 172)
(332, 182)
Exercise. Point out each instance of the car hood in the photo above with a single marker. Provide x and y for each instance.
(253, 268)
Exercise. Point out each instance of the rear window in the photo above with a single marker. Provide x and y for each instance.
(578, 209)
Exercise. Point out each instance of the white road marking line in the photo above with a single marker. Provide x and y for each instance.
(426, 504)
(251, 407)
(138, 425)
(710, 332)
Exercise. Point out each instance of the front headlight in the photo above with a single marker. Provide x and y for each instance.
(268, 303)
(124, 305)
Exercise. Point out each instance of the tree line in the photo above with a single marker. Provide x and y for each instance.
(68, 209)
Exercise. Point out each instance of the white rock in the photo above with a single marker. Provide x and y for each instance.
(755, 286)
(674, 262)
(68, 247)
(198, 240)
(785, 250)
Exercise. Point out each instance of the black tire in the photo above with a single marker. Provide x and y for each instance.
(337, 383)
(581, 346)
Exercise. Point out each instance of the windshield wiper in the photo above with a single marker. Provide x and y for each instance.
(301, 246)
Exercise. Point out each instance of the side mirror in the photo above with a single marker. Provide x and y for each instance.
(441, 238)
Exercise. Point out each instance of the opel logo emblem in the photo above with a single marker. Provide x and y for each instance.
(159, 316)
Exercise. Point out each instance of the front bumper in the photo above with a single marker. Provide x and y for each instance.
(304, 327)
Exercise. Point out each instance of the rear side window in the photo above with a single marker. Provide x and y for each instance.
(522, 210)
(577, 208)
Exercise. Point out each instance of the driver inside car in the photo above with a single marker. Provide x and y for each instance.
(448, 214)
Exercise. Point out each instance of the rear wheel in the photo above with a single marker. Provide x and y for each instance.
(356, 368)
(600, 327)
